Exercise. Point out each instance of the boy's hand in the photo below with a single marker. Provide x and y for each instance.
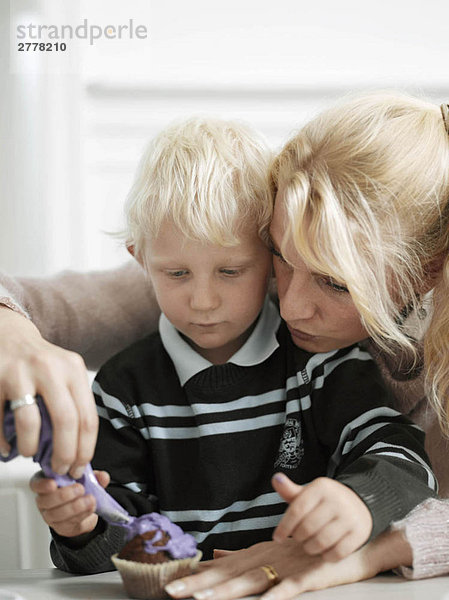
(326, 516)
(66, 509)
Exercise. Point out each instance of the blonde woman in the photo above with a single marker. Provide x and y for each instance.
(360, 232)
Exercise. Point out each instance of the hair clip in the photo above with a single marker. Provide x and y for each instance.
(445, 112)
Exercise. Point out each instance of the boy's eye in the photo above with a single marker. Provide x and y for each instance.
(230, 272)
(177, 274)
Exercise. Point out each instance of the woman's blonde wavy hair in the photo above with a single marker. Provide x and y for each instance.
(366, 186)
(208, 176)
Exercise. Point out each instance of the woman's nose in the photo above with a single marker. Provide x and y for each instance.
(296, 298)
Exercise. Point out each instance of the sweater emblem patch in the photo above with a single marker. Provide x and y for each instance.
(291, 448)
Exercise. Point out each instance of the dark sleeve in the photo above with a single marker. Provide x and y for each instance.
(374, 450)
(123, 452)
(90, 553)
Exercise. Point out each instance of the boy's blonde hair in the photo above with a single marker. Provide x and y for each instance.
(366, 186)
(208, 176)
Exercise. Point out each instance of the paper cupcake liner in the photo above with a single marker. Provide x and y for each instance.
(142, 580)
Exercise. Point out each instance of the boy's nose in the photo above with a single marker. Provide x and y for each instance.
(204, 298)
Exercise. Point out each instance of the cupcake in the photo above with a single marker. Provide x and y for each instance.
(156, 552)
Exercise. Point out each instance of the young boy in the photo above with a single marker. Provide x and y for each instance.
(196, 419)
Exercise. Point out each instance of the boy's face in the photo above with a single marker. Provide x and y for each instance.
(212, 294)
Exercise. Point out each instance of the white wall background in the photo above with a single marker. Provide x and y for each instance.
(72, 125)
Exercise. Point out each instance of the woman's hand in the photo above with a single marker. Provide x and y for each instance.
(67, 510)
(239, 574)
(31, 365)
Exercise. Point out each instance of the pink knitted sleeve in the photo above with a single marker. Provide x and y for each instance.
(426, 529)
(11, 303)
(95, 314)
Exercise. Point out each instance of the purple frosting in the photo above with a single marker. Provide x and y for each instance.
(180, 544)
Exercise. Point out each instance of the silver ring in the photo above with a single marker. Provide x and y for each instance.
(26, 400)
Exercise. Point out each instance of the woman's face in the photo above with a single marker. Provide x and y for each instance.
(319, 312)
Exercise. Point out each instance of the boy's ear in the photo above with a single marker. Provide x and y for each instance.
(132, 251)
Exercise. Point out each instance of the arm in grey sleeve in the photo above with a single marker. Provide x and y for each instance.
(95, 314)
(93, 557)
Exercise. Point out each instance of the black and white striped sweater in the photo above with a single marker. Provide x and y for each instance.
(203, 454)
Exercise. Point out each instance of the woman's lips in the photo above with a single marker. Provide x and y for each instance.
(301, 335)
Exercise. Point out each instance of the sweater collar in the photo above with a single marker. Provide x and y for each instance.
(258, 347)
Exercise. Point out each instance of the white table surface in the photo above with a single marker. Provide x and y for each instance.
(49, 584)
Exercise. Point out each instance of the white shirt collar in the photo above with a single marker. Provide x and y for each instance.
(258, 347)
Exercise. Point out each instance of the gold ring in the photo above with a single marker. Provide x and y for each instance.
(271, 574)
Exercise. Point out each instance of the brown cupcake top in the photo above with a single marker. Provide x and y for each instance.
(135, 549)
